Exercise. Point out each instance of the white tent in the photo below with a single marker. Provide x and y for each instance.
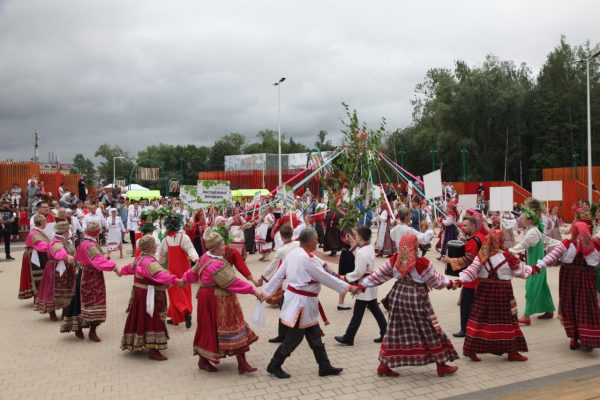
(133, 186)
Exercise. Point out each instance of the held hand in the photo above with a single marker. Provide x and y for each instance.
(180, 282)
(257, 283)
(445, 259)
(458, 283)
(535, 270)
(118, 272)
(260, 295)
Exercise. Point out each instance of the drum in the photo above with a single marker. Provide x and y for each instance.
(456, 249)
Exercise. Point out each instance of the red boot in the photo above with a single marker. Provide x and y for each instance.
(93, 336)
(514, 356)
(243, 365)
(384, 370)
(156, 355)
(546, 315)
(443, 369)
(525, 320)
(53, 316)
(79, 334)
(472, 356)
(204, 364)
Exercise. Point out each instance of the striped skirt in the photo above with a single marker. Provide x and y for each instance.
(493, 326)
(414, 336)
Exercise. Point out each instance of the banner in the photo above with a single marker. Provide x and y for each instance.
(285, 195)
(147, 174)
(466, 201)
(547, 190)
(501, 198)
(214, 191)
(433, 184)
(188, 195)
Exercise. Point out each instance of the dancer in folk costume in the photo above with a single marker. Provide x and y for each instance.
(578, 304)
(508, 224)
(145, 326)
(250, 231)
(34, 258)
(221, 330)
(195, 230)
(237, 225)
(116, 229)
(552, 224)
(414, 336)
(385, 246)
(493, 326)
(449, 228)
(264, 243)
(177, 249)
(333, 239)
(58, 284)
(88, 306)
(538, 298)
(300, 311)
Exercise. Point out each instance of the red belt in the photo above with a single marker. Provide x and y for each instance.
(310, 294)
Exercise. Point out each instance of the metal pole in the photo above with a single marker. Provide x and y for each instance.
(433, 159)
(589, 134)
(463, 153)
(279, 131)
(114, 177)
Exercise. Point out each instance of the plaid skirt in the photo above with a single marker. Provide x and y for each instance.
(493, 326)
(578, 303)
(414, 336)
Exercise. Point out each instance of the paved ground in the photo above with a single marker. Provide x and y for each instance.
(39, 362)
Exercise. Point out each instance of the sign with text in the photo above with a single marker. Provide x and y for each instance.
(213, 191)
(501, 198)
(286, 196)
(188, 195)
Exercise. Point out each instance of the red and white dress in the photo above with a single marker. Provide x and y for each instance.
(33, 263)
(262, 232)
(493, 326)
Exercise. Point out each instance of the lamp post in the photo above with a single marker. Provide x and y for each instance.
(114, 171)
(278, 84)
(463, 154)
(589, 125)
(433, 153)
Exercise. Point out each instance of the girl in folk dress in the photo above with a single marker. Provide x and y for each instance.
(145, 326)
(413, 336)
(493, 326)
(34, 258)
(553, 223)
(116, 229)
(384, 246)
(58, 283)
(263, 240)
(221, 330)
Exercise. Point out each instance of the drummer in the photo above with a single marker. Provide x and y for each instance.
(473, 241)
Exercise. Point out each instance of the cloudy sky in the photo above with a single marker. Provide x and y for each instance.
(135, 73)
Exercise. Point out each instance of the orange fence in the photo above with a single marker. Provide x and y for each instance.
(571, 174)
(256, 179)
(21, 172)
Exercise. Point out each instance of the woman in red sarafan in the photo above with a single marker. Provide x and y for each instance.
(221, 329)
(34, 258)
(413, 336)
(493, 326)
(578, 304)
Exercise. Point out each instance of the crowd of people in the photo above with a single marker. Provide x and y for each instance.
(69, 248)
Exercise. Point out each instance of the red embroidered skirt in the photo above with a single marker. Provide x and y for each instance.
(141, 330)
(579, 304)
(493, 326)
(55, 291)
(414, 336)
(25, 287)
(221, 329)
(93, 296)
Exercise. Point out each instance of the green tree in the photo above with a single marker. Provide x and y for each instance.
(322, 142)
(84, 166)
(230, 144)
(105, 169)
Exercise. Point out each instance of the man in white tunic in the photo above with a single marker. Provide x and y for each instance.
(300, 312)
(404, 227)
(281, 253)
(364, 261)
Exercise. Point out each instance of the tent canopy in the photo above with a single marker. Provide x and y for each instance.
(248, 192)
(133, 186)
(147, 194)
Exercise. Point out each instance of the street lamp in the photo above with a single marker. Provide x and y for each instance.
(278, 84)
(114, 172)
(433, 153)
(589, 125)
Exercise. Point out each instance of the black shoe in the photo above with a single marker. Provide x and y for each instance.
(125, 242)
(277, 339)
(8, 257)
(342, 340)
(330, 371)
(459, 334)
(170, 322)
(343, 307)
(379, 339)
(188, 321)
(278, 372)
